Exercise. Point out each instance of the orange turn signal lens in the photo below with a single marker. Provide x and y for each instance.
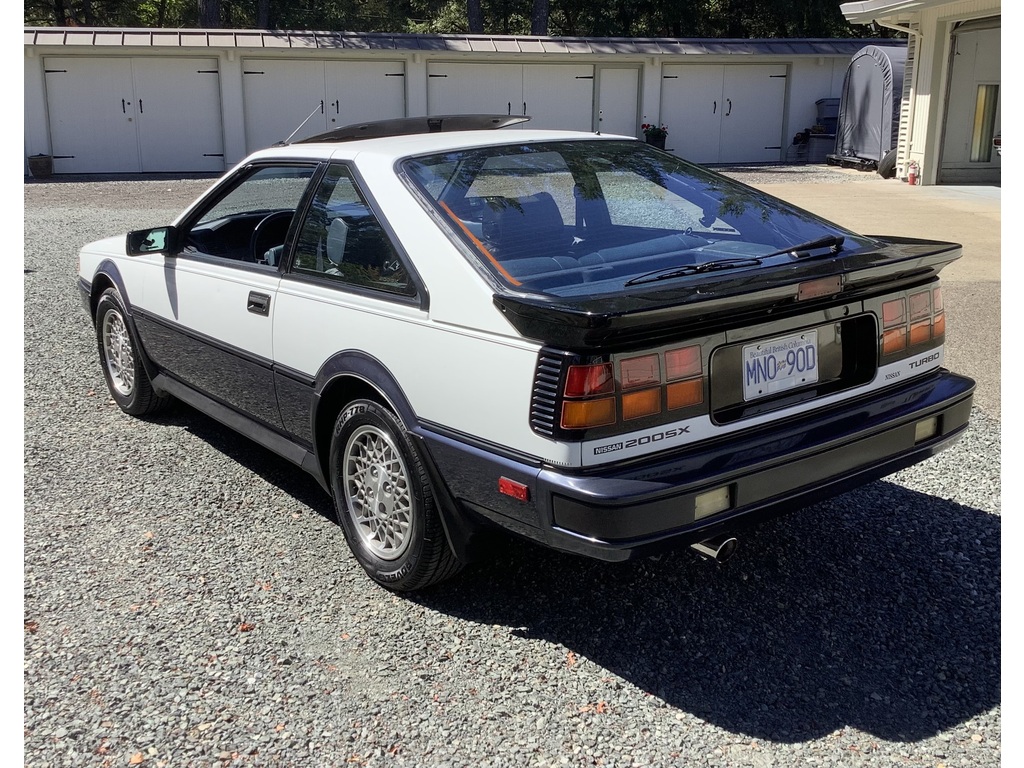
(939, 326)
(685, 393)
(646, 402)
(894, 340)
(682, 363)
(640, 371)
(582, 414)
(920, 332)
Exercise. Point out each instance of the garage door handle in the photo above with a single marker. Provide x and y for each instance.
(714, 107)
(259, 303)
(729, 110)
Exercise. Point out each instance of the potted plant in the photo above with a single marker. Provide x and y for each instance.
(655, 134)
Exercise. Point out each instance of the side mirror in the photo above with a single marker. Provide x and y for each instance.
(157, 240)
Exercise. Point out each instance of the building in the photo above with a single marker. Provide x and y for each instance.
(170, 100)
(951, 96)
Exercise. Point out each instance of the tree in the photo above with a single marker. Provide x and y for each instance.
(209, 14)
(475, 14)
(539, 18)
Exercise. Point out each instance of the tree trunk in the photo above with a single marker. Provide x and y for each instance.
(263, 14)
(209, 14)
(60, 14)
(539, 19)
(475, 12)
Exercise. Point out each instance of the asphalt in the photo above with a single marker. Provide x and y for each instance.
(969, 215)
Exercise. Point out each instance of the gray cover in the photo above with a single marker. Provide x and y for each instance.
(869, 112)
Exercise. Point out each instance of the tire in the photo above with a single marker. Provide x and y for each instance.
(384, 501)
(887, 165)
(127, 380)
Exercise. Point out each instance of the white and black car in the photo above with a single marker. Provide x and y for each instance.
(580, 339)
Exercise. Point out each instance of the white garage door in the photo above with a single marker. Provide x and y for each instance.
(557, 96)
(126, 115)
(723, 113)
(280, 95)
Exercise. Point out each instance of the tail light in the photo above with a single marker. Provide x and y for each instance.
(631, 388)
(912, 322)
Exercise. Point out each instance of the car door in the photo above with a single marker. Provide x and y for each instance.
(206, 318)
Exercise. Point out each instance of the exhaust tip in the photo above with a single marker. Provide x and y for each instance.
(719, 548)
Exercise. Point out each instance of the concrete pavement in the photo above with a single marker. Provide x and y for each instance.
(971, 216)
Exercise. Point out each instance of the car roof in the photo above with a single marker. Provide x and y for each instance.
(398, 147)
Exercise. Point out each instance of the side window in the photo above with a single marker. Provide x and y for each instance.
(250, 222)
(342, 240)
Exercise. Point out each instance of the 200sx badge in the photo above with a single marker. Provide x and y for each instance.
(636, 442)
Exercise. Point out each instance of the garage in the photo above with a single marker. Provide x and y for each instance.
(131, 115)
(973, 110)
(280, 95)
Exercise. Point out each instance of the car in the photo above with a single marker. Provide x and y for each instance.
(460, 326)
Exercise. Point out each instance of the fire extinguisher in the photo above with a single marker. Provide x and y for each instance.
(912, 173)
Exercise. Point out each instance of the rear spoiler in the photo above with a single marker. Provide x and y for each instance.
(407, 126)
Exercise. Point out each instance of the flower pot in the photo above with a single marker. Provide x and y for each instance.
(40, 166)
(656, 141)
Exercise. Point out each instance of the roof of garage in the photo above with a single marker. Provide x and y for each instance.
(370, 41)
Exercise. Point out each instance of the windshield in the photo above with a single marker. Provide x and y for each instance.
(597, 217)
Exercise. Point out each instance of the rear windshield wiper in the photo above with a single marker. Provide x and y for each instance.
(833, 242)
(692, 269)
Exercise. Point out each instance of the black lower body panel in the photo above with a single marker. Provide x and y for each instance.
(617, 512)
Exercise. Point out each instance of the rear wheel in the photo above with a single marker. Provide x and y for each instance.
(887, 165)
(126, 377)
(384, 501)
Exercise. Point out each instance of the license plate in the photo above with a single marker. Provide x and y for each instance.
(780, 364)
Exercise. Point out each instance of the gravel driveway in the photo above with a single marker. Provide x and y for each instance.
(189, 601)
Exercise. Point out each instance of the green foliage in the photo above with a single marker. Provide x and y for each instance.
(612, 18)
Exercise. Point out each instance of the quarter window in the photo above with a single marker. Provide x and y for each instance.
(342, 240)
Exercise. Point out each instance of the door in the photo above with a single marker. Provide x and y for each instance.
(360, 91)
(558, 96)
(753, 99)
(281, 96)
(178, 114)
(206, 314)
(973, 109)
(92, 115)
(618, 100)
(723, 113)
(691, 109)
(465, 89)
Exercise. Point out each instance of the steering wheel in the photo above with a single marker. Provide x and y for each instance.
(268, 233)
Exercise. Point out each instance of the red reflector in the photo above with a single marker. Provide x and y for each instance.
(584, 380)
(638, 371)
(517, 491)
(682, 363)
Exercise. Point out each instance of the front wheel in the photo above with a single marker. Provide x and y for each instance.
(384, 501)
(126, 377)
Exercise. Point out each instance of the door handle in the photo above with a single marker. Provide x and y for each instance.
(714, 107)
(321, 106)
(729, 111)
(524, 107)
(258, 303)
(510, 107)
(140, 107)
(123, 110)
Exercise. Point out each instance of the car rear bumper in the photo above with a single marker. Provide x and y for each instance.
(617, 512)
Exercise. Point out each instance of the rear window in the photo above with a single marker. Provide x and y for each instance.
(599, 217)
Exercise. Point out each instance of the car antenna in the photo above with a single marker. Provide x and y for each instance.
(287, 141)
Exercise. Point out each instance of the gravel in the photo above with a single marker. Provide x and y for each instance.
(189, 601)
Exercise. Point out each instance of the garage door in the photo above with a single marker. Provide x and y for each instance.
(723, 113)
(126, 115)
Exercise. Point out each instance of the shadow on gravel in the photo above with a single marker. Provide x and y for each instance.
(877, 610)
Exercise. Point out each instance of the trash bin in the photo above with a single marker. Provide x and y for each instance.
(40, 166)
